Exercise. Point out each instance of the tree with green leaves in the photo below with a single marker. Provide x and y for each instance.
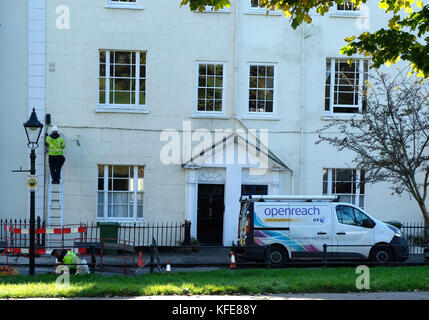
(403, 38)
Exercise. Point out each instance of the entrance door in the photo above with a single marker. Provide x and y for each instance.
(210, 213)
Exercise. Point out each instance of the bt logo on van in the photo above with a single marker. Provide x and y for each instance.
(321, 220)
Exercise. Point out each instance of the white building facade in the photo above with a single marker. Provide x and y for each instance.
(151, 96)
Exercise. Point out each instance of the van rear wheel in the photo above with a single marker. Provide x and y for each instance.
(278, 256)
(381, 255)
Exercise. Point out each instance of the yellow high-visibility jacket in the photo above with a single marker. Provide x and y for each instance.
(70, 259)
(56, 146)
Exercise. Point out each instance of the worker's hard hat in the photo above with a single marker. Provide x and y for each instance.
(54, 129)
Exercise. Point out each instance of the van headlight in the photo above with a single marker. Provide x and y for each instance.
(397, 232)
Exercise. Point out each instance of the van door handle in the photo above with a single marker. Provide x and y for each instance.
(321, 233)
(341, 233)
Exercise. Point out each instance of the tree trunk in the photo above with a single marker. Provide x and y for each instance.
(422, 206)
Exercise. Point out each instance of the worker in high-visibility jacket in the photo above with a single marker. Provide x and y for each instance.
(68, 258)
(56, 144)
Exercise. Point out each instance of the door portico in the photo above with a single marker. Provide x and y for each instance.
(232, 176)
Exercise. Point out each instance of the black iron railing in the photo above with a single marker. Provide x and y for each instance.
(417, 235)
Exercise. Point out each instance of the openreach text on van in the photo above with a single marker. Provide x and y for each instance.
(292, 211)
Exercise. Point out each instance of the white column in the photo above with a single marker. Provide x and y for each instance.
(191, 197)
(232, 204)
(37, 85)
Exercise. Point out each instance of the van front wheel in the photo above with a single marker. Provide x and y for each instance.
(278, 256)
(382, 254)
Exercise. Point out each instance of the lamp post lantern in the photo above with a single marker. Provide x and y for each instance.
(33, 128)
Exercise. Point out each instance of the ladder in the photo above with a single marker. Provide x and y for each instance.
(55, 203)
(55, 213)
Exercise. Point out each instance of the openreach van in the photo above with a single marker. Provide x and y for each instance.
(297, 227)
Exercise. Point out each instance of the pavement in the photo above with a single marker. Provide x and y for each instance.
(181, 260)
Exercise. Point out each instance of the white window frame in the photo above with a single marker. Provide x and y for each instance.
(107, 106)
(256, 9)
(261, 11)
(361, 71)
(346, 13)
(357, 195)
(106, 191)
(265, 114)
(250, 4)
(210, 9)
(199, 113)
(115, 4)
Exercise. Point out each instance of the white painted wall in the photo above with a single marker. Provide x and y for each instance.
(13, 108)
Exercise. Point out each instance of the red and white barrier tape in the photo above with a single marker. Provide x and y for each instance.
(48, 230)
(38, 251)
(44, 231)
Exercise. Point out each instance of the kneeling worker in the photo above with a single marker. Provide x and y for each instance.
(71, 260)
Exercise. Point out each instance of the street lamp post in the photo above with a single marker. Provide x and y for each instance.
(33, 128)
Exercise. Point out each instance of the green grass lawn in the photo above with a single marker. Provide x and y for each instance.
(219, 282)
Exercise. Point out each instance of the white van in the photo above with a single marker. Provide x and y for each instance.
(298, 227)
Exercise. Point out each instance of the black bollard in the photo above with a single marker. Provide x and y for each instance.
(325, 253)
(152, 255)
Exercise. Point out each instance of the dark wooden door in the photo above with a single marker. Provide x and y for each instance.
(210, 213)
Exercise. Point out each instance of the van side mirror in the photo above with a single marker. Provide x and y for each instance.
(368, 223)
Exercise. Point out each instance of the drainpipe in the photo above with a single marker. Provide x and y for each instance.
(301, 146)
(45, 177)
(236, 31)
(301, 134)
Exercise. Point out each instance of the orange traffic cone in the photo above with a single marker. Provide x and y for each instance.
(232, 263)
(140, 264)
(168, 267)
